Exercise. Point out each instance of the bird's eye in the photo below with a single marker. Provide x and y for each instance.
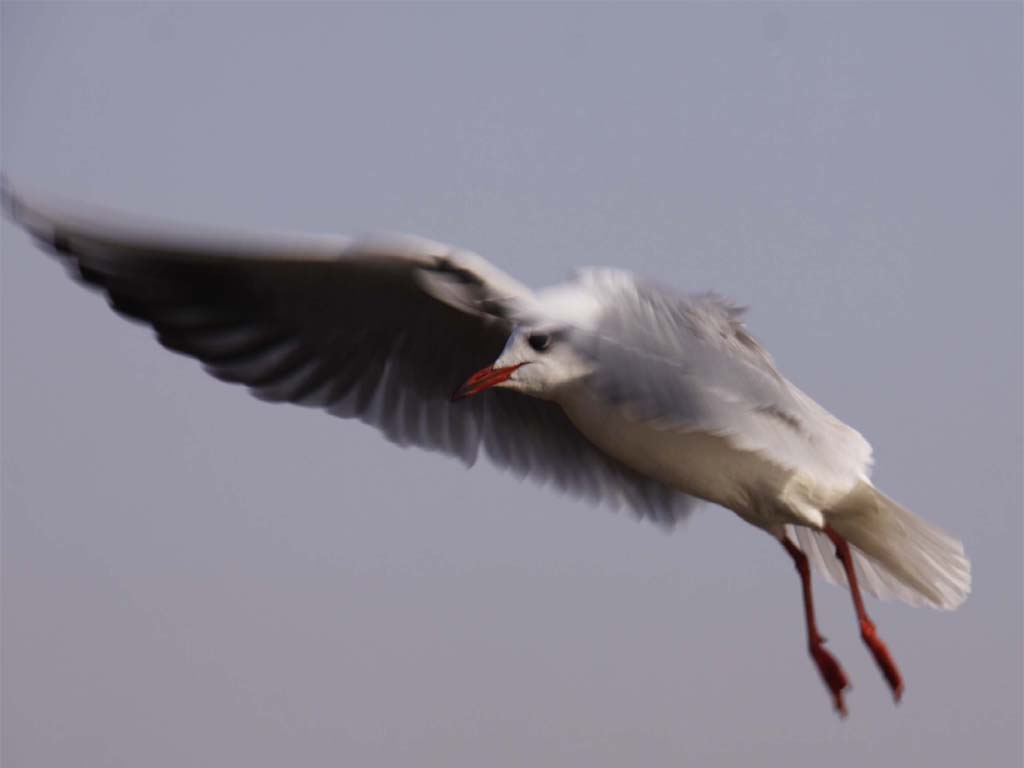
(539, 341)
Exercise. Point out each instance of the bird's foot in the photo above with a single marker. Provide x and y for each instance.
(882, 658)
(831, 672)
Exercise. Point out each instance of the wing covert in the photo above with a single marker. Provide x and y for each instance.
(687, 362)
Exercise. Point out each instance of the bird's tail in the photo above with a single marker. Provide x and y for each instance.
(896, 553)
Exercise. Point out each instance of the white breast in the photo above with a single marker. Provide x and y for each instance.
(701, 464)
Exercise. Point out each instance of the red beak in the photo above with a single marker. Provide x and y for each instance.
(483, 379)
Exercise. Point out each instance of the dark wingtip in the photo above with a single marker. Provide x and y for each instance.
(8, 199)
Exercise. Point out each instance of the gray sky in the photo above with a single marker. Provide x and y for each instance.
(192, 577)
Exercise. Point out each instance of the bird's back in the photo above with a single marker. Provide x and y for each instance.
(688, 364)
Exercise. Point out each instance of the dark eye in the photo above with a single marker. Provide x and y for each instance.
(539, 341)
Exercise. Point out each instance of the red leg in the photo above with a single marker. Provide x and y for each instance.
(867, 627)
(828, 667)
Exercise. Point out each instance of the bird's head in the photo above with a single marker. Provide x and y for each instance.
(537, 361)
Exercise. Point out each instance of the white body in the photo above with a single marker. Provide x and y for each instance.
(703, 410)
(703, 465)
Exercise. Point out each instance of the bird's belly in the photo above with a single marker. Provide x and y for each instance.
(698, 463)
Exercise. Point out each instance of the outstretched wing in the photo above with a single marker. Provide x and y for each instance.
(380, 330)
(687, 362)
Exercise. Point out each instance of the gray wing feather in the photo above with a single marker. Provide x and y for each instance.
(379, 330)
(687, 362)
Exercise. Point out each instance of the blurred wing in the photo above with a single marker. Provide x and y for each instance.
(688, 363)
(379, 330)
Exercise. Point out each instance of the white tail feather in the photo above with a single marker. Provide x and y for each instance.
(896, 553)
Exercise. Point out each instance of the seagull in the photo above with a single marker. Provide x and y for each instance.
(608, 387)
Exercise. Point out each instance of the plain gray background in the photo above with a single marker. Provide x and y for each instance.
(191, 577)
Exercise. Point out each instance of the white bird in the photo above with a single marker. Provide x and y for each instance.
(608, 387)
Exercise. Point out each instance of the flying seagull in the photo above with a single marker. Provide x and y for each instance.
(608, 387)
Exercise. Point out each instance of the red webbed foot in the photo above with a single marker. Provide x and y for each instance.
(831, 673)
(882, 658)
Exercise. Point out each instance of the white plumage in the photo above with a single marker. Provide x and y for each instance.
(611, 388)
